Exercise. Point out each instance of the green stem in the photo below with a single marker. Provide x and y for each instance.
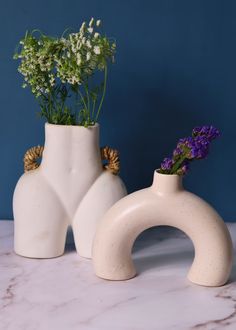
(88, 100)
(50, 102)
(76, 102)
(81, 95)
(49, 108)
(177, 165)
(94, 103)
(62, 102)
(103, 94)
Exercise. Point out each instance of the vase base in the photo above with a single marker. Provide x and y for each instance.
(117, 279)
(207, 284)
(33, 256)
(84, 256)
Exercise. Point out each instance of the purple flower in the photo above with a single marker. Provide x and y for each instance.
(201, 147)
(194, 147)
(210, 132)
(184, 168)
(166, 164)
(188, 149)
(177, 152)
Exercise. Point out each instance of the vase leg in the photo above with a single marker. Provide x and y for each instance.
(105, 191)
(40, 221)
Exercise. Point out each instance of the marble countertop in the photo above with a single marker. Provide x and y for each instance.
(64, 294)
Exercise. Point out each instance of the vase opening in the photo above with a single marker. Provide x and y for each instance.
(71, 148)
(166, 183)
(69, 126)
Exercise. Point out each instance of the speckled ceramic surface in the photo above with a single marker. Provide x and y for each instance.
(164, 203)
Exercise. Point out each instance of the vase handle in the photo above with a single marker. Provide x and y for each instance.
(112, 157)
(30, 158)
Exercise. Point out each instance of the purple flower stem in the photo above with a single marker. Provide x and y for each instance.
(178, 164)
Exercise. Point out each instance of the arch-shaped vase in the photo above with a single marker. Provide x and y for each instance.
(164, 203)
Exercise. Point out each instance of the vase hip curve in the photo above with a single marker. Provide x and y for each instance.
(47, 200)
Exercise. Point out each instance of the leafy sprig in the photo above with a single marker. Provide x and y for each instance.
(59, 70)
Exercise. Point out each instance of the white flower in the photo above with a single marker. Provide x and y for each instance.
(97, 50)
(88, 43)
(78, 60)
(82, 27)
(91, 22)
(70, 60)
(70, 37)
(73, 80)
(88, 56)
(52, 81)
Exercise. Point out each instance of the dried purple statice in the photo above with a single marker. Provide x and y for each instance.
(183, 169)
(210, 132)
(191, 147)
(188, 149)
(167, 164)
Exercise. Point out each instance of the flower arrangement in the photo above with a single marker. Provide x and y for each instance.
(189, 149)
(60, 71)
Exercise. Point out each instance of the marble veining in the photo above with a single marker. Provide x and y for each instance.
(64, 294)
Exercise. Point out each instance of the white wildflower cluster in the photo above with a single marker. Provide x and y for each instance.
(46, 61)
(37, 63)
(87, 51)
(57, 68)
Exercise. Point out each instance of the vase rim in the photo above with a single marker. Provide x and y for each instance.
(167, 175)
(166, 183)
(69, 126)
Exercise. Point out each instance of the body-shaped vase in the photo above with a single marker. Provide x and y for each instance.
(164, 203)
(69, 188)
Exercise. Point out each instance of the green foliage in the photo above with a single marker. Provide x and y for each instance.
(59, 70)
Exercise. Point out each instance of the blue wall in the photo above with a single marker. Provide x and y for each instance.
(175, 69)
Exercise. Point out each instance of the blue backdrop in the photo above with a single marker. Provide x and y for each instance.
(175, 68)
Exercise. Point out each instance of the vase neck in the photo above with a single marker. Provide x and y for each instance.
(71, 147)
(166, 183)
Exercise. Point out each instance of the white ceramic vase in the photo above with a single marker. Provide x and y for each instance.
(70, 188)
(164, 203)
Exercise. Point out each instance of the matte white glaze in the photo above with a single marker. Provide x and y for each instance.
(69, 188)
